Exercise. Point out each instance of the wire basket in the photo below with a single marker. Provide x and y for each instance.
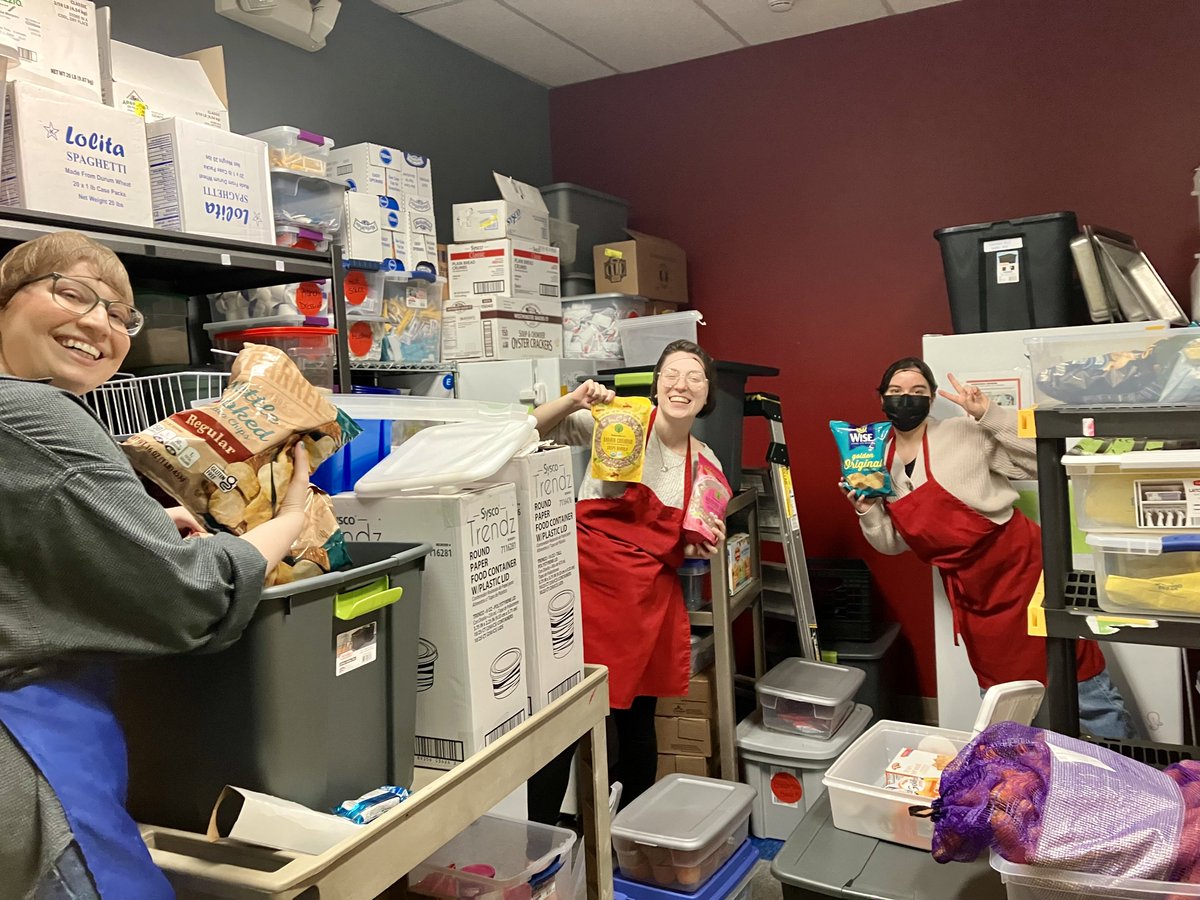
(127, 404)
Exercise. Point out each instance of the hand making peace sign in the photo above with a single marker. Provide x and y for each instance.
(970, 398)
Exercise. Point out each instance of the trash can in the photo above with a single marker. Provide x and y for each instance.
(1007, 275)
(877, 659)
(315, 703)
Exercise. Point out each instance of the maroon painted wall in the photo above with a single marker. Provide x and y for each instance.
(804, 179)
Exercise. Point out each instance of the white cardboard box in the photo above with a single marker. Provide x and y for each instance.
(64, 154)
(521, 213)
(508, 267)
(364, 239)
(501, 328)
(155, 86)
(58, 44)
(207, 181)
(471, 662)
(549, 571)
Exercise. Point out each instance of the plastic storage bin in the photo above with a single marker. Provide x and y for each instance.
(305, 298)
(806, 698)
(859, 801)
(680, 831)
(844, 599)
(1043, 883)
(295, 149)
(601, 218)
(1151, 490)
(412, 311)
(1090, 382)
(786, 771)
(643, 338)
(497, 857)
(730, 882)
(590, 324)
(301, 238)
(309, 201)
(703, 650)
(312, 349)
(565, 236)
(314, 703)
(695, 577)
(577, 284)
(878, 660)
(1012, 274)
(1150, 574)
(364, 338)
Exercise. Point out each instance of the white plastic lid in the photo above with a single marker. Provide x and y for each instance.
(598, 298)
(684, 812)
(1134, 459)
(284, 321)
(755, 738)
(1141, 544)
(290, 132)
(661, 320)
(427, 409)
(811, 682)
(1013, 701)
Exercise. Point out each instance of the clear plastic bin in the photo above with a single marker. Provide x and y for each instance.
(312, 349)
(412, 310)
(806, 698)
(730, 882)
(310, 201)
(590, 324)
(301, 238)
(363, 290)
(1042, 883)
(364, 338)
(499, 857)
(643, 338)
(295, 149)
(681, 830)
(306, 298)
(1147, 574)
(1145, 490)
(696, 580)
(857, 797)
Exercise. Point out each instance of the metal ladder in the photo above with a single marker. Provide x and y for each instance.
(767, 406)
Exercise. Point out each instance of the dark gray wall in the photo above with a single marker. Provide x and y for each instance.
(379, 79)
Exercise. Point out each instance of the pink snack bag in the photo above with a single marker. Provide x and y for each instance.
(706, 506)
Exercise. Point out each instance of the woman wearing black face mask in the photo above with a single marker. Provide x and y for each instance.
(952, 505)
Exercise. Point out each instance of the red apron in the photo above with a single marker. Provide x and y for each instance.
(990, 572)
(634, 618)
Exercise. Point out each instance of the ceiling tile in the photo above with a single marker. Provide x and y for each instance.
(758, 24)
(493, 31)
(633, 34)
(903, 6)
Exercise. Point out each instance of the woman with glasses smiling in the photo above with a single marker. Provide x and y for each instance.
(630, 546)
(91, 569)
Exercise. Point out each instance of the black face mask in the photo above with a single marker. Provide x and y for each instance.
(906, 411)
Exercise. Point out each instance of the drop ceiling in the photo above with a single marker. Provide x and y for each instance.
(557, 42)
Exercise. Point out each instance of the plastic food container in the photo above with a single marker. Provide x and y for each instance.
(498, 857)
(730, 882)
(643, 338)
(590, 324)
(806, 698)
(1043, 883)
(364, 338)
(1148, 574)
(786, 770)
(412, 310)
(312, 349)
(301, 238)
(306, 298)
(695, 577)
(681, 831)
(703, 650)
(1058, 379)
(363, 290)
(309, 201)
(1143, 490)
(295, 149)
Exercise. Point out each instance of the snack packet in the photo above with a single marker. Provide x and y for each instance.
(320, 547)
(619, 438)
(706, 505)
(863, 449)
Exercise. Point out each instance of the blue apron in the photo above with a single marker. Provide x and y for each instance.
(66, 727)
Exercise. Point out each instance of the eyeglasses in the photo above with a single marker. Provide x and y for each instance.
(672, 376)
(81, 299)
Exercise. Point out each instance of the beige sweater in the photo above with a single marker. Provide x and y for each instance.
(972, 460)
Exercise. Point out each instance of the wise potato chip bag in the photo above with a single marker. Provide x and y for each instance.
(864, 464)
(619, 438)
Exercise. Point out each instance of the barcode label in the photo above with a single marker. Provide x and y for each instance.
(548, 290)
(438, 748)
(488, 287)
(561, 689)
(27, 54)
(504, 728)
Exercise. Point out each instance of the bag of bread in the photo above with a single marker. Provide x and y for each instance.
(230, 462)
(706, 506)
(619, 438)
(864, 464)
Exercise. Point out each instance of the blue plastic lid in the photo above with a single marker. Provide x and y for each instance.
(695, 565)
(719, 886)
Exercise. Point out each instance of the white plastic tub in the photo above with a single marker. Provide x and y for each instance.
(590, 324)
(1148, 574)
(1046, 352)
(301, 238)
(308, 201)
(1143, 490)
(1040, 883)
(807, 699)
(296, 149)
(643, 338)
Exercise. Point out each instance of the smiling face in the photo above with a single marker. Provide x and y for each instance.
(682, 386)
(41, 339)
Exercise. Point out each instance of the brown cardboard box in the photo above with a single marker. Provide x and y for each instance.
(696, 704)
(658, 307)
(650, 267)
(682, 735)
(670, 763)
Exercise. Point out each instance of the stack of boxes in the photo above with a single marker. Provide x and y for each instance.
(686, 729)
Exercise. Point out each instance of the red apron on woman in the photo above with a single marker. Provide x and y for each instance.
(634, 617)
(990, 572)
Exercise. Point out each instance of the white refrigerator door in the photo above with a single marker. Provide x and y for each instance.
(497, 381)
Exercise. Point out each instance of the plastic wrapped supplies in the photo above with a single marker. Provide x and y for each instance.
(306, 298)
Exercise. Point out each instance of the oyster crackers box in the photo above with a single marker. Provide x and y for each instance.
(471, 658)
(67, 155)
(549, 571)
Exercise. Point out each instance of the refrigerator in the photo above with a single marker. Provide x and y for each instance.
(1152, 679)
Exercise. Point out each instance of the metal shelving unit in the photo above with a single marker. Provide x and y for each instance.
(397, 368)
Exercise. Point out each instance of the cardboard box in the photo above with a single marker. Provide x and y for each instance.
(365, 239)
(501, 328)
(472, 660)
(155, 86)
(363, 166)
(648, 266)
(739, 560)
(521, 213)
(509, 268)
(696, 704)
(207, 181)
(63, 154)
(684, 735)
(58, 43)
(549, 571)
(670, 763)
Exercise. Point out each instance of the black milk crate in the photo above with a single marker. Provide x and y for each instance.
(844, 599)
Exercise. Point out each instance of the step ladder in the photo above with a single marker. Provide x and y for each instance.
(778, 491)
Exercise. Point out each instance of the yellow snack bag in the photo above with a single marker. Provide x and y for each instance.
(619, 438)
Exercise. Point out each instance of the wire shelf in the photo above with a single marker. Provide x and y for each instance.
(375, 365)
(127, 404)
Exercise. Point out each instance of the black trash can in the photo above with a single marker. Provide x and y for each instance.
(1012, 274)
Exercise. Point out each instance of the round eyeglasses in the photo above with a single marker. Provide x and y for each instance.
(672, 376)
(81, 299)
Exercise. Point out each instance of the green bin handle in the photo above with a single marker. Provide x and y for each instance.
(365, 599)
(633, 379)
